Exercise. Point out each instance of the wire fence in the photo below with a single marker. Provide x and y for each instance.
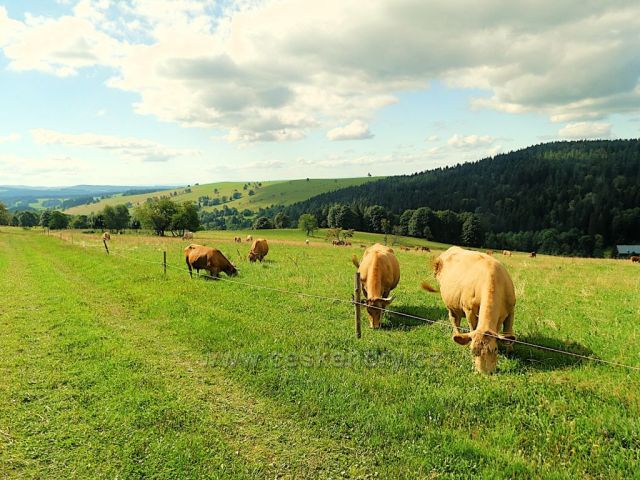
(352, 302)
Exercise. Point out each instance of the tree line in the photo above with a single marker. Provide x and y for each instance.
(569, 198)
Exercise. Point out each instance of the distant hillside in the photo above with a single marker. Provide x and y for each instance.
(586, 191)
(240, 195)
(37, 198)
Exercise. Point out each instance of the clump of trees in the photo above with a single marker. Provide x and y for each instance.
(164, 215)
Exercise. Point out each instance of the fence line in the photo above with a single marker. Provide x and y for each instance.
(394, 312)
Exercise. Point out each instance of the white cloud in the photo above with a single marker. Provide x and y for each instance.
(584, 130)
(356, 130)
(11, 137)
(470, 142)
(273, 70)
(127, 148)
(101, 113)
(17, 168)
(432, 138)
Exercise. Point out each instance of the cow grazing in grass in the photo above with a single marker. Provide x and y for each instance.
(187, 236)
(475, 285)
(306, 242)
(237, 239)
(490, 252)
(423, 249)
(337, 243)
(533, 254)
(506, 253)
(259, 250)
(379, 274)
(209, 259)
(249, 238)
(106, 236)
(635, 259)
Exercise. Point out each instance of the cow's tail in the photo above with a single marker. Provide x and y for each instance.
(428, 287)
(355, 261)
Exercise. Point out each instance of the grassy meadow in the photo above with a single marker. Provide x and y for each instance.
(277, 192)
(110, 369)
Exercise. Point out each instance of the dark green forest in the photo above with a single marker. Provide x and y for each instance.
(570, 198)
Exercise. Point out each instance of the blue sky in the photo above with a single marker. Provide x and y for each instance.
(183, 91)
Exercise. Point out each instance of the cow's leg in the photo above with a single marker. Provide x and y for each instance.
(472, 318)
(507, 326)
(190, 270)
(454, 317)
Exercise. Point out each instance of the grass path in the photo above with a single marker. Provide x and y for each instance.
(255, 436)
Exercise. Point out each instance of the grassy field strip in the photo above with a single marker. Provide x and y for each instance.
(84, 402)
(280, 446)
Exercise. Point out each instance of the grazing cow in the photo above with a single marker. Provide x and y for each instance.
(475, 285)
(306, 242)
(506, 253)
(259, 249)
(533, 254)
(379, 274)
(237, 239)
(187, 236)
(635, 259)
(207, 258)
(337, 242)
(490, 252)
(423, 249)
(363, 246)
(249, 238)
(106, 236)
(347, 243)
(406, 249)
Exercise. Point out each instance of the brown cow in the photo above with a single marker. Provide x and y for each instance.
(259, 249)
(187, 236)
(635, 259)
(533, 254)
(423, 249)
(306, 242)
(490, 252)
(347, 243)
(379, 274)
(210, 259)
(237, 239)
(106, 236)
(475, 285)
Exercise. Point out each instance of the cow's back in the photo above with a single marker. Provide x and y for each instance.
(198, 255)
(380, 260)
(465, 275)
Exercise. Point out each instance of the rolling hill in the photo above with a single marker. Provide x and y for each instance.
(266, 194)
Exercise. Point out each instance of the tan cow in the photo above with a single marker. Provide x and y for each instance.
(187, 236)
(259, 250)
(249, 238)
(210, 259)
(237, 239)
(106, 236)
(635, 259)
(478, 287)
(379, 274)
(306, 242)
(506, 253)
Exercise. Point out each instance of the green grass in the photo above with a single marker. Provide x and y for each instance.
(110, 369)
(278, 192)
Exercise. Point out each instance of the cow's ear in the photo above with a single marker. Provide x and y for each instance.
(462, 338)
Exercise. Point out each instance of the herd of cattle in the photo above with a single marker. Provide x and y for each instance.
(472, 285)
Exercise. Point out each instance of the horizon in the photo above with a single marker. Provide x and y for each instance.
(258, 91)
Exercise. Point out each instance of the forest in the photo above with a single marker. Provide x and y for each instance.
(570, 198)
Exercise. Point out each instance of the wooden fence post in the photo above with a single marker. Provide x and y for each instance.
(164, 261)
(105, 245)
(356, 301)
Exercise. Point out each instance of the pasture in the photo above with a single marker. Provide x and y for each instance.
(275, 192)
(111, 369)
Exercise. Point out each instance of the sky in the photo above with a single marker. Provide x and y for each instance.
(149, 92)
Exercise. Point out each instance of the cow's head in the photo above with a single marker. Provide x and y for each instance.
(484, 346)
(375, 307)
(252, 256)
(232, 271)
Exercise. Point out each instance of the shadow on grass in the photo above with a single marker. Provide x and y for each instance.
(539, 359)
(395, 321)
